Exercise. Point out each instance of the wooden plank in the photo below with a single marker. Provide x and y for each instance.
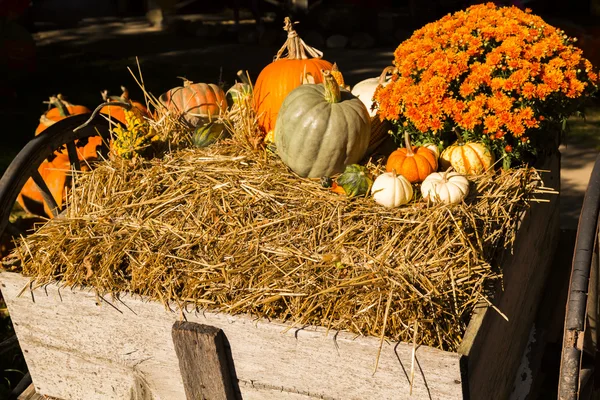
(126, 352)
(493, 346)
(203, 361)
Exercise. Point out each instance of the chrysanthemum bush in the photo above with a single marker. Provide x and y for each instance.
(494, 74)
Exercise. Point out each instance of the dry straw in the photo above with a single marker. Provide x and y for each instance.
(230, 228)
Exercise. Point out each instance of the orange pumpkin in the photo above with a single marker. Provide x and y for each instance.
(118, 113)
(283, 75)
(54, 174)
(89, 152)
(414, 163)
(62, 109)
(196, 103)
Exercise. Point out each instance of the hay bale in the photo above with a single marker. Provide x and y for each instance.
(235, 230)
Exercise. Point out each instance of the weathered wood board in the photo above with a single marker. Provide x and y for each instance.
(78, 346)
(492, 346)
(77, 349)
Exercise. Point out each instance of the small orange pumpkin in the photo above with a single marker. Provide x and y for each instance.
(118, 113)
(284, 74)
(61, 110)
(414, 163)
(54, 174)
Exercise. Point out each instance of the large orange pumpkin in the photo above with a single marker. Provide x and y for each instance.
(284, 74)
(196, 103)
(61, 109)
(118, 113)
(54, 174)
(414, 163)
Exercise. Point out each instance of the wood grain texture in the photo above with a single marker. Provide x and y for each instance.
(203, 362)
(493, 346)
(78, 349)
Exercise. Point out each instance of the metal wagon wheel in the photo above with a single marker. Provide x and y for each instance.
(25, 165)
(580, 361)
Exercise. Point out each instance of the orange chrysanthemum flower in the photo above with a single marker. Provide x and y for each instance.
(486, 70)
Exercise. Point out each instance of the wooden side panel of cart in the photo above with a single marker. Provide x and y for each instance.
(80, 346)
(493, 346)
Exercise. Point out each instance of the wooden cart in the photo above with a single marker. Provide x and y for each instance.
(79, 345)
(579, 370)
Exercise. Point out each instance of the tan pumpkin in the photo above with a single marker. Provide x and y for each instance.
(414, 163)
(195, 103)
(447, 187)
(470, 158)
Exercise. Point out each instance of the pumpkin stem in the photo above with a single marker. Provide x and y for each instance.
(388, 70)
(244, 78)
(446, 172)
(125, 94)
(106, 97)
(296, 48)
(186, 81)
(460, 140)
(58, 102)
(332, 89)
(409, 150)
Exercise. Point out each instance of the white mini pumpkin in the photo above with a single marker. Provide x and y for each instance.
(446, 187)
(391, 190)
(365, 90)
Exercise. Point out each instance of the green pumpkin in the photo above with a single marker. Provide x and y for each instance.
(237, 93)
(208, 134)
(355, 180)
(320, 129)
(240, 91)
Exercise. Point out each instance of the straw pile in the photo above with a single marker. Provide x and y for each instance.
(235, 231)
